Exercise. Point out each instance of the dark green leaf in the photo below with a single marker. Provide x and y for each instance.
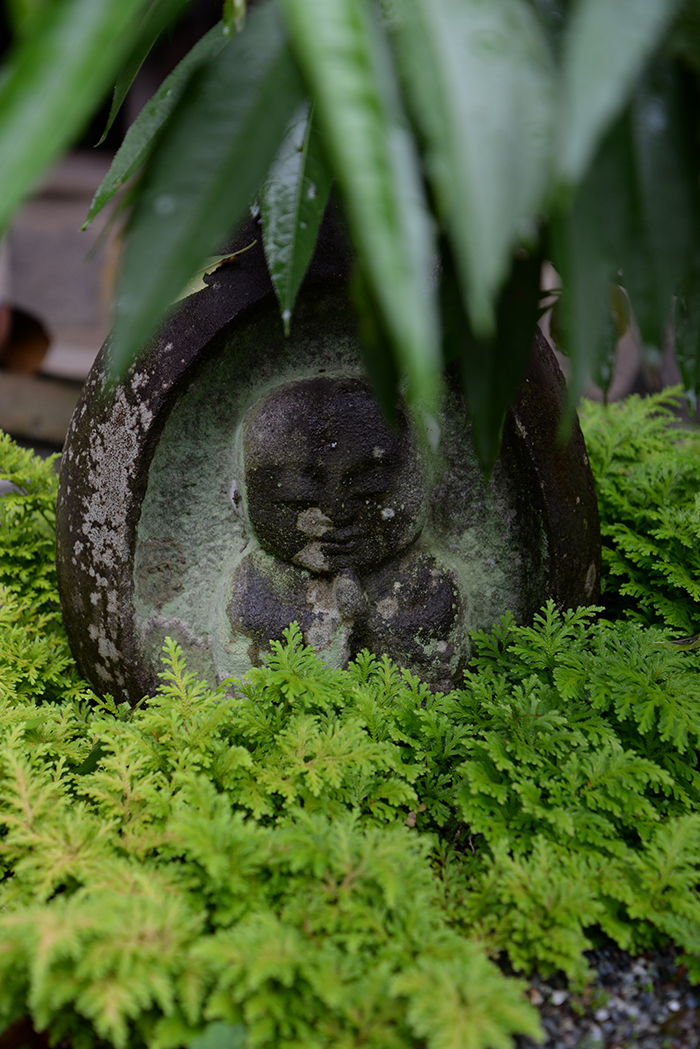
(607, 44)
(92, 760)
(604, 355)
(52, 82)
(345, 61)
(635, 221)
(211, 159)
(482, 83)
(492, 369)
(666, 163)
(616, 326)
(638, 197)
(140, 138)
(583, 254)
(687, 331)
(292, 203)
(375, 347)
(684, 38)
(156, 18)
(24, 15)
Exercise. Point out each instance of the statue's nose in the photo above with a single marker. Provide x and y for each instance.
(313, 522)
(337, 505)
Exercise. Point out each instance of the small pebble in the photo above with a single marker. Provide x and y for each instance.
(631, 1003)
(595, 1035)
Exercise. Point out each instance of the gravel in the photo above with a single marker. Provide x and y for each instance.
(633, 1003)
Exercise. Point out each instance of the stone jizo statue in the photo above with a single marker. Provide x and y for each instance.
(235, 480)
(337, 502)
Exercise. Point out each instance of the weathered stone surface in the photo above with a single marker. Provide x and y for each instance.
(235, 480)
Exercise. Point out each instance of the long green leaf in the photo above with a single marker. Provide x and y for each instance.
(608, 246)
(482, 84)
(293, 200)
(684, 38)
(156, 18)
(52, 82)
(211, 159)
(637, 213)
(24, 15)
(608, 43)
(140, 138)
(666, 165)
(378, 359)
(634, 220)
(493, 369)
(686, 317)
(609, 204)
(347, 69)
(604, 354)
(585, 250)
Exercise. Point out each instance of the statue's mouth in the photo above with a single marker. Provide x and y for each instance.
(350, 539)
(341, 540)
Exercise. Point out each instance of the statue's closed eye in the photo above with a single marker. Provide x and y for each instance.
(372, 480)
(292, 487)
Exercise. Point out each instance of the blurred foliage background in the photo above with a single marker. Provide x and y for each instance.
(491, 134)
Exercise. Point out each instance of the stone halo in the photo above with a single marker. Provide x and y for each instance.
(151, 528)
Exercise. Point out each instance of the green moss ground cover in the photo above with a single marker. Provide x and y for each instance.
(325, 858)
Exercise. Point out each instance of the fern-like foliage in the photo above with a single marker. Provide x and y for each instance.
(647, 478)
(326, 858)
(241, 864)
(310, 853)
(27, 523)
(34, 656)
(581, 769)
(208, 870)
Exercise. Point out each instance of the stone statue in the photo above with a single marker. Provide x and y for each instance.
(337, 501)
(234, 480)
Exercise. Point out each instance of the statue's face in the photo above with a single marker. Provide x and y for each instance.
(329, 485)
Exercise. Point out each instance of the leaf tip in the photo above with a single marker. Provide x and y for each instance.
(287, 321)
